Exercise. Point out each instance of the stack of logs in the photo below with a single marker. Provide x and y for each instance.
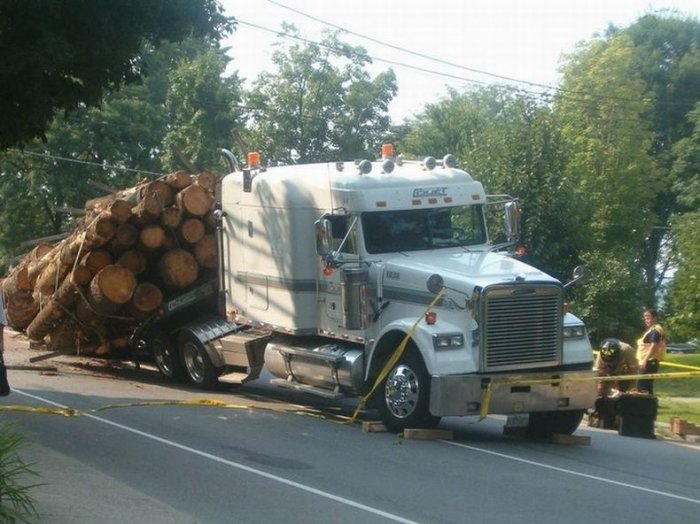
(129, 252)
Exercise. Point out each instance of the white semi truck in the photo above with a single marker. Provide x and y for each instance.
(325, 269)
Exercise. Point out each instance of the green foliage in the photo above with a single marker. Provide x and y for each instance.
(62, 55)
(320, 104)
(684, 292)
(16, 505)
(202, 110)
(666, 55)
(678, 397)
(607, 131)
(119, 143)
(610, 301)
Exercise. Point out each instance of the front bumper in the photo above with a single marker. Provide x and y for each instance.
(459, 395)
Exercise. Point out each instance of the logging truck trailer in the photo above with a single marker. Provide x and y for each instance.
(327, 269)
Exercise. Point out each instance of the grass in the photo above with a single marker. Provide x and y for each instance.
(679, 397)
(15, 503)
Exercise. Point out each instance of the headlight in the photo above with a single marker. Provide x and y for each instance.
(575, 331)
(448, 341)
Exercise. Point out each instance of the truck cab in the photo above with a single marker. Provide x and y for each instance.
(379, 280)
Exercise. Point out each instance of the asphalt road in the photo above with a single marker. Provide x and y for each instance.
(275, 456)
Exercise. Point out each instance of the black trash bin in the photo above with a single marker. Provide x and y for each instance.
(637, 414)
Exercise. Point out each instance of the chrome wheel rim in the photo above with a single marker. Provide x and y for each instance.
(402, 391)
(194, 362)
(163, 357)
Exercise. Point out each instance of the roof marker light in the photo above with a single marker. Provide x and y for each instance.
(253, 159)
(449, 161)
(365, 167)
(387, 150)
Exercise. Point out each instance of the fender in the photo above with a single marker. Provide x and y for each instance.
(209, 329)
(463, 361)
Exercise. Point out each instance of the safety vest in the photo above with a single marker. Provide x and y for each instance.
(643, 348)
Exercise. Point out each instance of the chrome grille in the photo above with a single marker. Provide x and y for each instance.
(522, 326)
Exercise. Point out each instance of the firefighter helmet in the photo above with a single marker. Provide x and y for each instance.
(610, 350)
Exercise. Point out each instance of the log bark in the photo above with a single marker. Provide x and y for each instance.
(118, 210)
(55, 308)
(21, 308)
(95, 260)
(207, 180)
(195, 200)
(147, 211)
(161, 190)
(178, 268)
(179, 180)
(19, 278)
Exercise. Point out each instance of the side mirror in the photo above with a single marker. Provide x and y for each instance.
(579, 275)
(512, 222)
(324, 233)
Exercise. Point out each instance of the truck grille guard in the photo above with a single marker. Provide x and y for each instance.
(521, 326)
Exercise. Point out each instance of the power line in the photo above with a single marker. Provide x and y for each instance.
(590, 99)
(408, 51)
(458, 66)
(76, 161)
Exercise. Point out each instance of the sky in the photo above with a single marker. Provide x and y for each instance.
(489, 40)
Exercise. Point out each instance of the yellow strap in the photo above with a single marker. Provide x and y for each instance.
(396, 355)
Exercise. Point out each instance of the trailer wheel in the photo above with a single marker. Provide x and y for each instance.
(405, 395)
(546, 423)
(165, 354)
(196, 363)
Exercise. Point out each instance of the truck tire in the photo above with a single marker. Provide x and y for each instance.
(546, 423)
(404, 395)
(163, 347)
(196, 363)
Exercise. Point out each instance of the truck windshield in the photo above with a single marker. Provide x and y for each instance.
(421, 229)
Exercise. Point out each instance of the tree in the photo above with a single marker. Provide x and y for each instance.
(624, 107)
(666, 54)
(683, 297)
(684, 292)
(61, 55)
(202, 110)
(320, 104)
(116, 145)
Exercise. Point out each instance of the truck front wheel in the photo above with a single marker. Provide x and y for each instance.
(546, 423)
(196, 363)
(405, 395)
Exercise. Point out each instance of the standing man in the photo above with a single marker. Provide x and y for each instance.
(651, 349)
(4, 385)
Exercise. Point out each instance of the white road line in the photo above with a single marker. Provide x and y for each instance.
(571, 472)
(230, 463)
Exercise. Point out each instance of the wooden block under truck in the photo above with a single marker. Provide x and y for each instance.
(326, 269)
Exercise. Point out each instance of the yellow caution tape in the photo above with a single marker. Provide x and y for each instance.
(396, 355)
(681, 366)
(73, 412)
